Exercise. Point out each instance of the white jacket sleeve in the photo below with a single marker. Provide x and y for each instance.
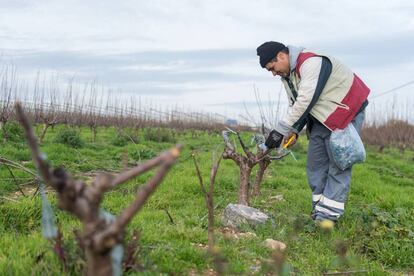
(309, 72)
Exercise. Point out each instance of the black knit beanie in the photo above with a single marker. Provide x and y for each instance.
(268, 51)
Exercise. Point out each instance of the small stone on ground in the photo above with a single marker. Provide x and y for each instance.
(274, 245)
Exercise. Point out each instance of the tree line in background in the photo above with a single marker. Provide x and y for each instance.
(48, 106)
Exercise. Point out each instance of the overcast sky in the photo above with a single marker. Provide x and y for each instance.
(203, 53)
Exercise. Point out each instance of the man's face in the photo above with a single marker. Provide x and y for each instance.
(280, 65)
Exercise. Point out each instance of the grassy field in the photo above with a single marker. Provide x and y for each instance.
(377, 229)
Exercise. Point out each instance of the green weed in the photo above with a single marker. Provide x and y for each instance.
(13, 131)
(159, 135)
(69, 136)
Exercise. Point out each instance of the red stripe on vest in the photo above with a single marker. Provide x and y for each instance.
(354, 99)
(301, 59)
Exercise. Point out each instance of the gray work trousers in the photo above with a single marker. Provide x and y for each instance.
(329, 184)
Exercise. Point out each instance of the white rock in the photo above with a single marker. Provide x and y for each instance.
(236, 215)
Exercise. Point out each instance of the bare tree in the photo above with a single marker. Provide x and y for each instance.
(99, 236)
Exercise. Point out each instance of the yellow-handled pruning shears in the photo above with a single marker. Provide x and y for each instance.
(291, 138)
(288, 143)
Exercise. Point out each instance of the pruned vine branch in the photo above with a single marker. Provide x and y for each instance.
(99, 235)
(208, 193)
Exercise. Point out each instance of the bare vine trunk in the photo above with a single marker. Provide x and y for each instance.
(94, 132)
(263, 164)
(245, 172)
(246, 164)
(210, 229)
(44, 130)
(5, 133)
(208, 196)
(98, 264)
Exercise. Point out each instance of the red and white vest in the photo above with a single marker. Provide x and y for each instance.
(341, 98)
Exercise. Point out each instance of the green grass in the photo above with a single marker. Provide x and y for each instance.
(377, 227)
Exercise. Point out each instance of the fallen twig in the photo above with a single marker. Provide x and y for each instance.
(16, 165)
(10, 199)
(348, 272)
(15, 181)
(169, 216)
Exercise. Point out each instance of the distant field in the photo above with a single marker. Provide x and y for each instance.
(377, 229)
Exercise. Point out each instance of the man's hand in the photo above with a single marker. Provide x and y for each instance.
(287, 138)
(274, 139)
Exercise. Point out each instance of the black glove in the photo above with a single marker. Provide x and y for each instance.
(274, 139)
